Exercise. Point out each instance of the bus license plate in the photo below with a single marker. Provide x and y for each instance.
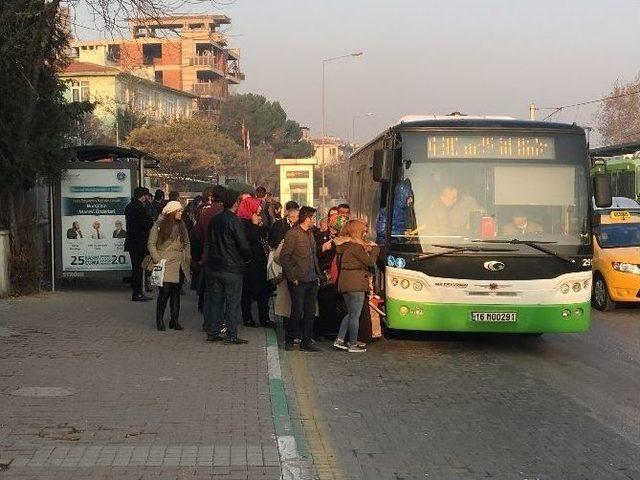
(494, 316)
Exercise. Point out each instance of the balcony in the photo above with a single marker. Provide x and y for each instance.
(235, 76)
(207, 61)
(208, 89)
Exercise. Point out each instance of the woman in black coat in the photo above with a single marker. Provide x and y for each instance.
(255, 285)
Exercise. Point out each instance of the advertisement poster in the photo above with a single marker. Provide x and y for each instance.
(93, 223)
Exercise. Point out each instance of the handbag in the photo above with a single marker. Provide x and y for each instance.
(274, 271)
(157, 275)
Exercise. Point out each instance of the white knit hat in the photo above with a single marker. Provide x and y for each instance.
(172, 206)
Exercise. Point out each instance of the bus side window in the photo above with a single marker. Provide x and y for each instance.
(627, 184)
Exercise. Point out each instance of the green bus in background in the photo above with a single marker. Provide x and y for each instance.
(622, 163)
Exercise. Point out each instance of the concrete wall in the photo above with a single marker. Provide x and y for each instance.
(4, 263)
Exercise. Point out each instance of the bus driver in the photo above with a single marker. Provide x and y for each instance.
(450, 213)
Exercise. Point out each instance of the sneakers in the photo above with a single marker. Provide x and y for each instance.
(340, 344)
(355, 348)
(214, 337)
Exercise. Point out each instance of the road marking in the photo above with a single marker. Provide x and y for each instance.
(290, 441)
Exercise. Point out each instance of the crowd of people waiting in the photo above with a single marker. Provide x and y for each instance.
(238, 248)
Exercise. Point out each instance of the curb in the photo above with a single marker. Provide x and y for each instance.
(291, 443)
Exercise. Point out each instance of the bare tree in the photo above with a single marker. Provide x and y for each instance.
(618, 119)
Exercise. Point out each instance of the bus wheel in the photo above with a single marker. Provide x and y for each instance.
(600, 297)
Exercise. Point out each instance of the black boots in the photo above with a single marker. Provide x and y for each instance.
(170, 293)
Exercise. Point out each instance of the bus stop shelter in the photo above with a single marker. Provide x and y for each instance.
(87, 211)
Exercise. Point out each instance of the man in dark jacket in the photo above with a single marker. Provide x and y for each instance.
(139, 224)
(302, 272)
(155, 207)
(227, 257)
(282, 226)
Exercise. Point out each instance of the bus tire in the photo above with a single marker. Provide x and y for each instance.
(600, 298)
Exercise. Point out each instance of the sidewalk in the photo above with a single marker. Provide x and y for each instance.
(89, 389)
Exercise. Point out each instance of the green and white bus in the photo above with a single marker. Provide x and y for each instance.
(485, 221)
(622, 163)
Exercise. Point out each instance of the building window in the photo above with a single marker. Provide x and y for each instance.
(79, 91)
(158, 76)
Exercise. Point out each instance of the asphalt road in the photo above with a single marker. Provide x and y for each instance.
(484, 406)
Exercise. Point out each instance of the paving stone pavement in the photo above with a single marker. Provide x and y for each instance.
(89, 389)
(560, 407)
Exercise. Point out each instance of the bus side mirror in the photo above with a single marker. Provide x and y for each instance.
(602, 190)
(382, 165)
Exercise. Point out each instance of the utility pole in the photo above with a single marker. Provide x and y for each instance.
(532, 111)
(323, 190)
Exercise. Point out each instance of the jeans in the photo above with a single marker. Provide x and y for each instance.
(303, 310)
(222, 303)
(351, 321)
(136, 272)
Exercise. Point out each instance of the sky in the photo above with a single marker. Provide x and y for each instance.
(479, 57)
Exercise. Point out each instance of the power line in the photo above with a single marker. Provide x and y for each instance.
(590, 102)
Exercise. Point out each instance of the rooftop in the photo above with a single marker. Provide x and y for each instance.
(161, 22)
(87, 67)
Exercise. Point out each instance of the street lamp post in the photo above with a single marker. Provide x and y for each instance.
(353, 125)
(323, 193)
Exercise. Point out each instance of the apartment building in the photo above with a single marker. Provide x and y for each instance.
(187, 52)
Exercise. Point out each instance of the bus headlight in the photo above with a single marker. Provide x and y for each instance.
(566, 313)
(578, 312)
(565, 288)
(417, 286)
(626, 267)
(405, 283)
(403, 310)
(576, 287)
(586, 284)
(417, 311)
(394, 281)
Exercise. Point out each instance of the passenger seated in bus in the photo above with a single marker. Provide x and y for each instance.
(521, 225)
(450, 213)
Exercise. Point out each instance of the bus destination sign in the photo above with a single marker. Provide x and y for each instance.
(489, 146)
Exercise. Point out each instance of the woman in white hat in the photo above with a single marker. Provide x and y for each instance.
(169, 240)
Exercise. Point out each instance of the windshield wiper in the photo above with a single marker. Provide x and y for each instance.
(535, 245)
(455, 249)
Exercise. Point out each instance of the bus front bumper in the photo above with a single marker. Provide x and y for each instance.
(407, 315)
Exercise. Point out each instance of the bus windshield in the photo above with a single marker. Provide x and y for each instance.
(477, 189)
(618, 235)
